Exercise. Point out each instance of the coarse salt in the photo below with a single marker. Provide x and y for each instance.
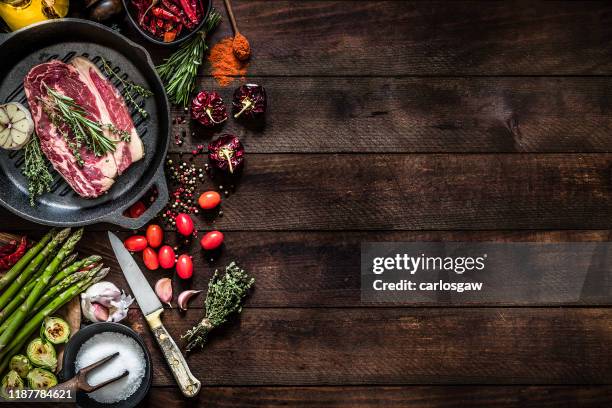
(131, 357)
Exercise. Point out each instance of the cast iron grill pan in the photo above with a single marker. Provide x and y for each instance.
(63, 40)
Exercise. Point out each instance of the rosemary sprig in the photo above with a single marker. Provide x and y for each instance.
(63, 110)
(224, 297)
(178, 72)
(131, 89)
(36, 170)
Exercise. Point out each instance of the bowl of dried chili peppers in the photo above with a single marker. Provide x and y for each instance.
(167, 22)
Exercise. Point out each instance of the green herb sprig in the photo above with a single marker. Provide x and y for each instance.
(63, 110)
(178, 72)
(36, 170)
(131, 89)
(224, 297)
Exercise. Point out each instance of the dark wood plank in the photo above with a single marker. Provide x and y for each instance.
(398, 347)
(411, 192)
(425, 115)
(304, 38)
(415, 192)
(390, 396)
(398, 115)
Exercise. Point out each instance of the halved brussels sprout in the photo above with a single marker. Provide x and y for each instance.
(20, 364)
(42, 354)
(39, 378)
(11, 381)
(56, 330)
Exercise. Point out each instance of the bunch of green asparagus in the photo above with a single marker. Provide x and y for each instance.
(47, 277)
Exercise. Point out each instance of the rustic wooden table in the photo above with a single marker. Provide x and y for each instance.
(395, 121)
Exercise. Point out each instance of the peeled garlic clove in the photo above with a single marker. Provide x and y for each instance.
(185, 296)
(163, 290)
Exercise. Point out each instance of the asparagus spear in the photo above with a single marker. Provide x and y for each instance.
(60, 287)
(22, 294)
(17, 284)
(77, 266)
(34, 323)
(69, 261)
(20, 314)
(25, 260)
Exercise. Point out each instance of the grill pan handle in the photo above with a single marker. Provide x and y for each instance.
(4, 37)
(118, 218)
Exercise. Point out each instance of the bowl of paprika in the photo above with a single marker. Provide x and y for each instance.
(167, 22)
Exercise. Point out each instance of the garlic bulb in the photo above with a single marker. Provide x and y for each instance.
(104, 302)
(16, 126)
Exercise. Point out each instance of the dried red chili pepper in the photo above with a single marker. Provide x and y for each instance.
(194, 7)
(226, 153)
(249, 101)
(164, 14)
(173, 8)
(188, 10)
(16, 252)
(208, 109)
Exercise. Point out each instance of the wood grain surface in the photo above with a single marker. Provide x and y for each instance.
(400, 121)
(360, 346)
(417, 114)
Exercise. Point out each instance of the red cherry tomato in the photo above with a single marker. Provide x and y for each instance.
(137, 209)
(166, 257)
(212, 240)
(135, 243)
(209, 200)
(184, 267)
(155, 235)
(184, 224)
(149, 257)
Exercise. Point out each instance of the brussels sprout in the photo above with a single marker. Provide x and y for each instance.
(41, 379)
(42, 354)
(11, 381)
(56, 330)
(20, 364)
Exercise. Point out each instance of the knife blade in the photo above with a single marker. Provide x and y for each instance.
(146, 298)
(152, 308)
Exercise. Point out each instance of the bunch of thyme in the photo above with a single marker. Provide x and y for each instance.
(224, 297)
(63, 110)
(131, 90)
(36, 170)
(178, 72)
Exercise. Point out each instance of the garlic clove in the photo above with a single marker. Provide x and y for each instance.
(163, 290)
(100, 312)
(185, 296)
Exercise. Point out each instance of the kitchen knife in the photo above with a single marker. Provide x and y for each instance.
(152, 308)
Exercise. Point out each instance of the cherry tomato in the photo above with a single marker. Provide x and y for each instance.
(155, 235)
(149, 257)
(209, 200)
(137, 209)
(184, 224)
(166, 257)
(184, 267)
(135, 243)
(212, 240)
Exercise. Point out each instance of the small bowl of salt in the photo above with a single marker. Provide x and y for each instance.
(100, 340)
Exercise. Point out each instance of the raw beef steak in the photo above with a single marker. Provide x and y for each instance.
(81, 81)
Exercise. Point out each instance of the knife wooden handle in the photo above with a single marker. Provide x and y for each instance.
(189, 385)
